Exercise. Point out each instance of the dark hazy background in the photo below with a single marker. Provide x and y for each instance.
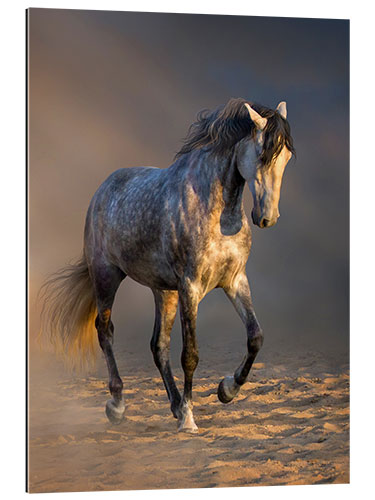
(117, 89)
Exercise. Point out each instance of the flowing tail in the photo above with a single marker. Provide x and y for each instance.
(68, 314)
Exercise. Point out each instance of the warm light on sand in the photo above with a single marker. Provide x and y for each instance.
(290, 425)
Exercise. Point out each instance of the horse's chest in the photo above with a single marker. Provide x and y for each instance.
(221, 259)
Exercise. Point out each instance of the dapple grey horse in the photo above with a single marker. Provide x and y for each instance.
(181, 231)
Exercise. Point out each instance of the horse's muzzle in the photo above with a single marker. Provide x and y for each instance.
(263, 222)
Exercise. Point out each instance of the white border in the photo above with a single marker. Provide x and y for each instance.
(12, 209)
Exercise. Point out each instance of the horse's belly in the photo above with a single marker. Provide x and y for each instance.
(149, 268)
(213, 268)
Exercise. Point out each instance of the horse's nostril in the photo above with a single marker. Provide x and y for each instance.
(266, 222)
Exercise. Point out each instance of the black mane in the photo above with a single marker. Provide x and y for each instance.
(218, 131)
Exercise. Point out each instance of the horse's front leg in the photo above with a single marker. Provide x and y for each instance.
(189, 299)
(166, 303)
(239, 294)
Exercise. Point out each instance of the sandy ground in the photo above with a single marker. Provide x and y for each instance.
(289, 425)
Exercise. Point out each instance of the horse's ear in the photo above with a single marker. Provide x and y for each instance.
(281, 108)
(258, 120)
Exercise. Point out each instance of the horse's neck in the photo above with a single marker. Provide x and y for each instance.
(232, 182)
(233, 186)
(221, 184)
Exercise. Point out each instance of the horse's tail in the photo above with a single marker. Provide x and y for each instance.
(68, 314)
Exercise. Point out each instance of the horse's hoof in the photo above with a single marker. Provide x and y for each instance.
(186, 421)
(115, 413)
(189, 430)
(227, 389)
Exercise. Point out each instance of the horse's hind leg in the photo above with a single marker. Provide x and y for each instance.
(240, 296)
(166, 303)
(106, 281)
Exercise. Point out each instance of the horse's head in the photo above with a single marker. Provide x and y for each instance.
(262, 159)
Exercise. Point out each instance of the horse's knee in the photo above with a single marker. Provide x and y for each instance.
(255, 341)
(159, 351)
(189, 359)
(155, 349)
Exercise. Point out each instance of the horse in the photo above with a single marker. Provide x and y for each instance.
(181, 231)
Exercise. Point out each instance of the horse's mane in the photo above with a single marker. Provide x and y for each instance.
(218, 131)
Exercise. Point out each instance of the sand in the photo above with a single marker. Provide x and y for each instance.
(289, 425)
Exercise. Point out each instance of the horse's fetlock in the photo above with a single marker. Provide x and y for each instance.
(115, 386)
